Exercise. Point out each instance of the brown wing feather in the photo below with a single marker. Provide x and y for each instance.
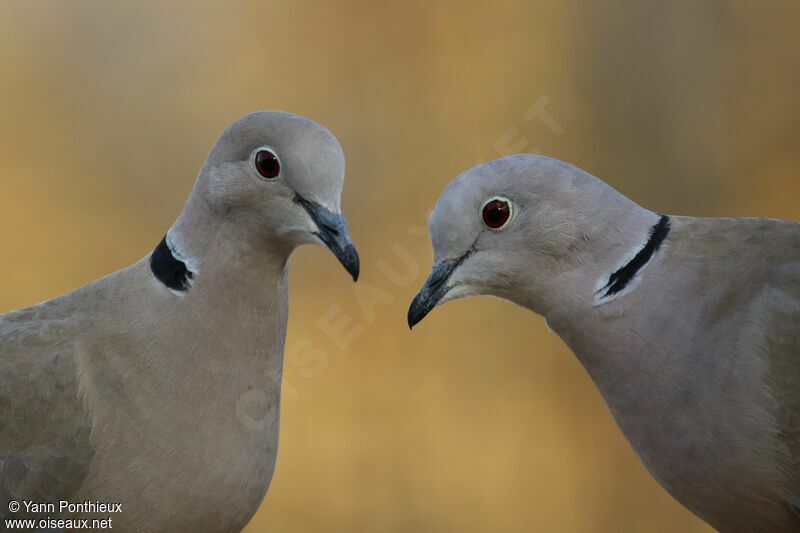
(45, 451)
(783, 346)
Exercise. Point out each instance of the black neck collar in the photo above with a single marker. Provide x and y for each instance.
(622, 277)
(170, 270)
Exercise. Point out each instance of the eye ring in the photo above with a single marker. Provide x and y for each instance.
(267, 162)
(497, 212)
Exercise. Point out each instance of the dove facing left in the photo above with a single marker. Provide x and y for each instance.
(158, 387)
(689, 327)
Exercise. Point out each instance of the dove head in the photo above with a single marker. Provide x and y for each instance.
(275, 179)
(525, 228)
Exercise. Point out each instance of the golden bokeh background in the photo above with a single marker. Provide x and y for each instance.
(479, 420)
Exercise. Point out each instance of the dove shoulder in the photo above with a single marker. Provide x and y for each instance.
(754, 265)
(780, 301)
(45, 453)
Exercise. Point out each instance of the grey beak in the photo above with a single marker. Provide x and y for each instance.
(332, 230)
(433, 291)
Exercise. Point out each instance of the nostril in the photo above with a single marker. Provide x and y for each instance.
(331, 229)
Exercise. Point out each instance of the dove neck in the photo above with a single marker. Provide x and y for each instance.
(613, 231)
(210, 243)
(613, 263)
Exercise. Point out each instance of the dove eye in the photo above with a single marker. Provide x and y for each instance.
(267, 163)
(496, 213)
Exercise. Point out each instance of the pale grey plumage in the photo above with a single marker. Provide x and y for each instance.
(698, 358)
(164, 400)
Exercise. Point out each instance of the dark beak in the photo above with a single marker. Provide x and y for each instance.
(433, 291)
(333, 232)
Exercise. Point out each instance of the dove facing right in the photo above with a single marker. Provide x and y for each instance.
(158, 387)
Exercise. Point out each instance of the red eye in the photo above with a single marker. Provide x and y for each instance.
(267, 164)
(496, 213)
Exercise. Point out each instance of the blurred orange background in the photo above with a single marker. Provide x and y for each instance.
(479, 421)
